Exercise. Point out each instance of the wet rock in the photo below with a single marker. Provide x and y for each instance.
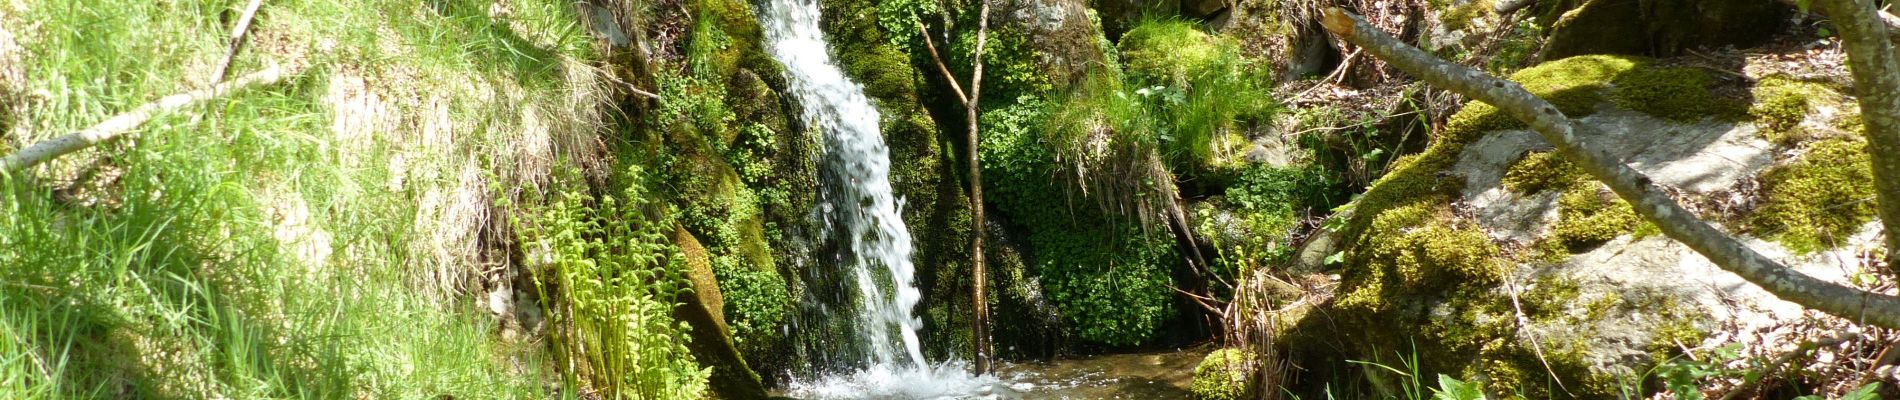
(712, 344)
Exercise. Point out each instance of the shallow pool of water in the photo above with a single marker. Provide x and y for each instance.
(1154, 375)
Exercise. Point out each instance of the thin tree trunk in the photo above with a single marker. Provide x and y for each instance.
(1649, 200)
(120, 124)
(980, 329)
(1877, 79)
(980, 280)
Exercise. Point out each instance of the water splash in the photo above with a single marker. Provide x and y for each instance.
(861, 212)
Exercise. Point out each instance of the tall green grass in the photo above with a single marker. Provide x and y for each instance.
(248, 249)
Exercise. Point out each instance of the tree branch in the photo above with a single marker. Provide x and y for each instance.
(1877, 79)
(237, 41)
(1649, 200)
(947, 76)
(122, 123)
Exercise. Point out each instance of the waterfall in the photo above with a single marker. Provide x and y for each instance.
(862, 212)
(861, 216)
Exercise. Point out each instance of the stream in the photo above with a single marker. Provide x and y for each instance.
(1151, 375)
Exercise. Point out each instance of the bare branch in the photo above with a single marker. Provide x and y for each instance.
(947, 76)
(120, 124)
(1649, 200)
(237, 41)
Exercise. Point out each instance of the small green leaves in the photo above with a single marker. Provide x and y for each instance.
(1453, 389)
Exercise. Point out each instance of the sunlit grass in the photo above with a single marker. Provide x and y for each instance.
(248, 248)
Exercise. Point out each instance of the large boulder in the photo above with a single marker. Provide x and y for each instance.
(1491, 259)
(1662, 27)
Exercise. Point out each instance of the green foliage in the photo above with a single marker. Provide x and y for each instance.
(258, 246)
(1110, 278)
(757, 303)
(1195, 86)
(899, 20)
(1222, 375)
(1820, 199)
(1270, 202)
(1453, 389)
(611, 278)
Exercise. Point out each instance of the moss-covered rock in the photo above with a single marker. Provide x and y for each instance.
(1540, 171)
(1221, 376)
(1588, 214)
(1676, 93)
(1817, 201)
(1784, 105)
(1430, 279)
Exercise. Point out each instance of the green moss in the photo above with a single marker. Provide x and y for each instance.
(1412, 250)
(1819, 199)
(1461, 16)
(1588, 215)
(1676, 93)
(1221, 376)
(1575, 85)
(1782, 103)
(1539, 171)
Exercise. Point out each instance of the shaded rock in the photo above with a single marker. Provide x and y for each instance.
(712, 342)
(1662, 27)
(1064, 38)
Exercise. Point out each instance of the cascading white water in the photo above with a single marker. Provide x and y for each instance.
(874, 233)
(863, 214)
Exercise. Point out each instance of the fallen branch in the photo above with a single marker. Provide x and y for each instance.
(1645, 196)
(237, 41)
(120, 124)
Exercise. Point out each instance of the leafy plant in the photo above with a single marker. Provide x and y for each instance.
(610, 279)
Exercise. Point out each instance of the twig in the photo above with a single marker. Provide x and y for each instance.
(1523, 323)
(945, 69)
(238, 33)
(120, 124)
(1788, 357)
(1337, 72)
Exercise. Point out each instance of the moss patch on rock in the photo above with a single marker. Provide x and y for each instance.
(1588, 214)
(1221, 376)
(1436, 283)
(1676, 93)
(1819, 199)
(1538, 171)
(1782, 104)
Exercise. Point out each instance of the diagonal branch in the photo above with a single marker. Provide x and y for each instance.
(945, 69)
(120, 124)
(1649, 200)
